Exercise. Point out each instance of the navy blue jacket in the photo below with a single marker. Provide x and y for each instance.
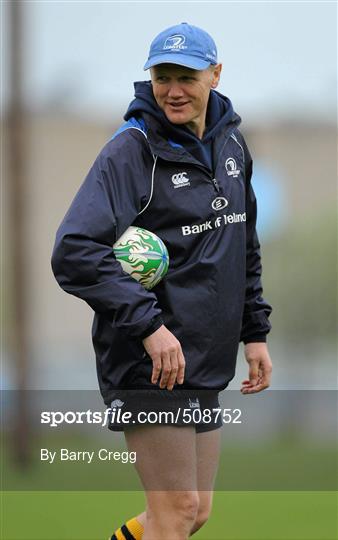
(197, 197)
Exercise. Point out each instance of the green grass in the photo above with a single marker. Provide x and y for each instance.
(236, 515)
(86, 514)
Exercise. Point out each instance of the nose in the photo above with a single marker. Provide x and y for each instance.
(175, 91)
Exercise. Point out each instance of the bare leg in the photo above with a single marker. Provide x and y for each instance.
(208, 451)
(167, 465)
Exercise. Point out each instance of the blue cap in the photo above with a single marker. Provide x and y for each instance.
(185, 45)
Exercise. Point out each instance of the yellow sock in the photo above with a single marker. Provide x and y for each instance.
(135, 527)
(132, 530)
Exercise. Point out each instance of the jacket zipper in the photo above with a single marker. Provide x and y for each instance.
(216, 185)
(214, 181)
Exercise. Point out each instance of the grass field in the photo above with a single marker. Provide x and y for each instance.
(236, 515)
(32, 511)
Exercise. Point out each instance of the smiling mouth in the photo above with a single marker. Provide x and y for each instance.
(178, 105)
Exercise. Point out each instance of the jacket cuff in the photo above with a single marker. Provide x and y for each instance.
(255, 338)
(155, 323)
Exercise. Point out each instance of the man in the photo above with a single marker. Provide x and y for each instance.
(180, 168)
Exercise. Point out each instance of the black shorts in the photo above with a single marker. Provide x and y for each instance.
(179, 408)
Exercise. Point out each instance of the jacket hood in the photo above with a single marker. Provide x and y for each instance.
(220, 114)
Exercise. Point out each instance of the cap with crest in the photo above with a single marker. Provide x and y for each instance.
(185, 45)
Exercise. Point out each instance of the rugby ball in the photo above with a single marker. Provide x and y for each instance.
(143, 255)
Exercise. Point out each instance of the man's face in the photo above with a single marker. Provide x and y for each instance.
(183, 93)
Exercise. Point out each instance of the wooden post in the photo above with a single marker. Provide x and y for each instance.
(17, 157)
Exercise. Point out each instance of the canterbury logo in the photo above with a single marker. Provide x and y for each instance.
(116, 403)
(180, 179)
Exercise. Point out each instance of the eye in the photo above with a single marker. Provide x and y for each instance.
(161, 79)
(187, 78)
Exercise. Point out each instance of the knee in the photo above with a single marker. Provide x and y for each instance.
(182, 508)
(186, 506)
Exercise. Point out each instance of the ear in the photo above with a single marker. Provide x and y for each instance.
(216, 75)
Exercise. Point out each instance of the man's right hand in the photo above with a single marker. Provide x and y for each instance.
(167, 357)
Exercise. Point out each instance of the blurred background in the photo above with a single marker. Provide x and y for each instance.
(67, 72)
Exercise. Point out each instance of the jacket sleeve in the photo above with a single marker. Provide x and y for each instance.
(83, 261)
(255, 322)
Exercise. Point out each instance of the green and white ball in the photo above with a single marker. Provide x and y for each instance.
(143, 255)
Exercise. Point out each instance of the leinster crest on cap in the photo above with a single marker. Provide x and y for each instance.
(175, 42)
